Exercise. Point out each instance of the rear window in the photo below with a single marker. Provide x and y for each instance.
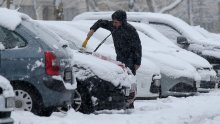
(11, 39)
(44, 34)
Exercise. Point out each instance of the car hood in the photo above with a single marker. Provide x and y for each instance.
(104, 69)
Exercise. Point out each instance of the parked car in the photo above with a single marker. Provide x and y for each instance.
(39, 70)
(171, 73)
(166, 21)
(203, 67)
(6, 101)
(102, 82)
(148, 76)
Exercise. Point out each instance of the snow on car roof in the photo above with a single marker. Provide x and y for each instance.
(183, 27)
(10, 19)
(6, 86)
(207, 34)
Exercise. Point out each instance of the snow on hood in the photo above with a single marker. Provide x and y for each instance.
(10, 19)
(104, 69)
(6, 86)
(145, 17)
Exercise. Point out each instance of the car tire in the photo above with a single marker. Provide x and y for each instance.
(28, 100)
(86, 103)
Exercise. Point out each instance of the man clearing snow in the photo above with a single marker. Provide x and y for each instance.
(126, 40)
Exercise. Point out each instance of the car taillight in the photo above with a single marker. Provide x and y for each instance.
(52, 65)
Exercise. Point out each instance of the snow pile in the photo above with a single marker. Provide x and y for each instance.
(6, 86)
(10, 19)
(201, 109)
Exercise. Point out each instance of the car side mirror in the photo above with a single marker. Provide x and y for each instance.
(182, 41)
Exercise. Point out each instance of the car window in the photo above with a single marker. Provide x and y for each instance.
(167, 30)
(43, 33)
(11, 39)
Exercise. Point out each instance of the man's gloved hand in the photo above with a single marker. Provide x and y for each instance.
(85, 42)
(91, 32)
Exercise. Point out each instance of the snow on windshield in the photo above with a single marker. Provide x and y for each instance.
(10, 19)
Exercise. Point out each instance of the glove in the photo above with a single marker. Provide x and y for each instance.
(85, 42)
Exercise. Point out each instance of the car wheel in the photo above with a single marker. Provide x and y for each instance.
(86, 103)
(77, 101)
(28, 100)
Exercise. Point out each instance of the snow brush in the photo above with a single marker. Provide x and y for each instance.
(87, 39)
(101, 43)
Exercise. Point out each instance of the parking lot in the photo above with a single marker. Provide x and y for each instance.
(200, 109)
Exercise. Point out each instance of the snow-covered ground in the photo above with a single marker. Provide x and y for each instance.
(201, 109)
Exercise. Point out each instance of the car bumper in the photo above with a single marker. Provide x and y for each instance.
(5, 118)
(208, 84)
(113, 102)
(55, 94)
(6, 121)
(182, 86)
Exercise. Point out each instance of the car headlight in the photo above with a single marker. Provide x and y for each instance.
(10, 102)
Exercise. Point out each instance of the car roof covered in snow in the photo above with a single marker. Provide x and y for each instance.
(10, 19)
(147, 17)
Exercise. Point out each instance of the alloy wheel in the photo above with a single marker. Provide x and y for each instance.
(23, 100)
(77, 101)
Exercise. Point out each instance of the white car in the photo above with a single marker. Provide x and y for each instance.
(148, 75)
(174, 75)
(7, 101)
(165, 21)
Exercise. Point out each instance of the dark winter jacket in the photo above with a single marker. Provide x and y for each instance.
(126, 41)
